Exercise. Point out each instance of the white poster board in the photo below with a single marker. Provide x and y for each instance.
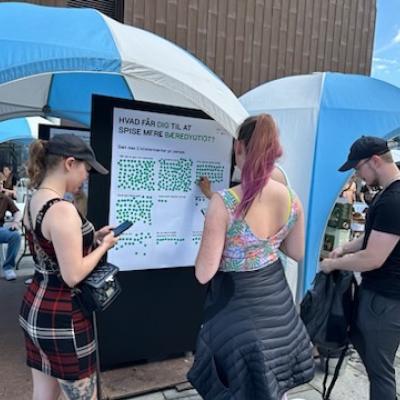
(156, 160)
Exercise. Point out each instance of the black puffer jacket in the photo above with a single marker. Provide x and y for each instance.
(252, 345)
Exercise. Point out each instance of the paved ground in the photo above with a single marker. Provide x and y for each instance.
(351, 385)
(15, 382)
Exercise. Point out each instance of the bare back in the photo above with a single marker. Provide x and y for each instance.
(38, 200)
(270, 211)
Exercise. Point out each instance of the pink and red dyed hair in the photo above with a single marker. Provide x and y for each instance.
(261, 141)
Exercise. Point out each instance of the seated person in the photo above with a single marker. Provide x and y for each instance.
(10, 182)
(10, 235)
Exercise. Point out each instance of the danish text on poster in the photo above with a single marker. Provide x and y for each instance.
(156, 161)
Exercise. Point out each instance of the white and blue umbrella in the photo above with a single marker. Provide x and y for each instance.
(22, 128)
(319, 117)
(53, 59)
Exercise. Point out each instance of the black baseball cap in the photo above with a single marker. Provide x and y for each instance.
(364, 147)
(70, 145)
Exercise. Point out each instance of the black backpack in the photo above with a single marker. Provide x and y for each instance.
(327, 312)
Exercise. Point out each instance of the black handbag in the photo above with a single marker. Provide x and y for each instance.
(97, 291)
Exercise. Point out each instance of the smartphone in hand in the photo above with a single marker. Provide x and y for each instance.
(122, 228)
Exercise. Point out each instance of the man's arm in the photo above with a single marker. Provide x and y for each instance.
(347, 248)
(379, 247)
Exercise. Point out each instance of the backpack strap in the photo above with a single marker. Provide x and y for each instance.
(326, 392)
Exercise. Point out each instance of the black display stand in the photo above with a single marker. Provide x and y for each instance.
(45, 130)
(159, 312)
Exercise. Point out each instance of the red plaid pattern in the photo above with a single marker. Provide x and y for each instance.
(59, 338)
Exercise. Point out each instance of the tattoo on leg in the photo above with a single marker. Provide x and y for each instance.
(84, 389)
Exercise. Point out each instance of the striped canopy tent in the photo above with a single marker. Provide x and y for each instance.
(22, 128)
(319, 116)
(53, 59)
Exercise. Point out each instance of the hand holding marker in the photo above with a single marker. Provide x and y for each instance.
(205, 187)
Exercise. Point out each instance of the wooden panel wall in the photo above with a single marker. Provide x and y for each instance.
(52, 3)
(108, 7)
(247, 42)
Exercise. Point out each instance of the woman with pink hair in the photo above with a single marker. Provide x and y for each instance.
(252, 344)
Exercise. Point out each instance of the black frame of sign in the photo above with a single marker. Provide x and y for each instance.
(159, 311)
(44, 130)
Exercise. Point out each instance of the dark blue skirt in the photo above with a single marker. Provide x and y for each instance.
(253, 344)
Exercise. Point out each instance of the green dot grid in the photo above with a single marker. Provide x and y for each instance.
(136, 174)
(214, 171)
(138, 242)
(200, 200)
(196, 237)
(175, 241)
(135, 209)
(175, 175)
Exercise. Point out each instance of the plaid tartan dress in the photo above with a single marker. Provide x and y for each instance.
(59, 338)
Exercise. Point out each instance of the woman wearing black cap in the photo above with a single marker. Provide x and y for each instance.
(59, 338)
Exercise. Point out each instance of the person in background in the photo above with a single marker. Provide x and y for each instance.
(59, 338)
(80, 201)
(10, 181)
(10, 235)
(367, 193)
(251, 331)
(376, 254)
(349, 192)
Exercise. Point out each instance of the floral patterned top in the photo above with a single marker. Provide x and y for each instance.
(244, 251)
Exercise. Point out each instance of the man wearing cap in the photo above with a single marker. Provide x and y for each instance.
(376, 255)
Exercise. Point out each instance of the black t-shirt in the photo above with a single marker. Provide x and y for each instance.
(384, 215)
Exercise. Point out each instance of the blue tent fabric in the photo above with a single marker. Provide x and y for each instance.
(64, 102)
(39, 45)
(321, 127)
(351, 106)
(14, 129)
(53, 59)
(21, 128)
